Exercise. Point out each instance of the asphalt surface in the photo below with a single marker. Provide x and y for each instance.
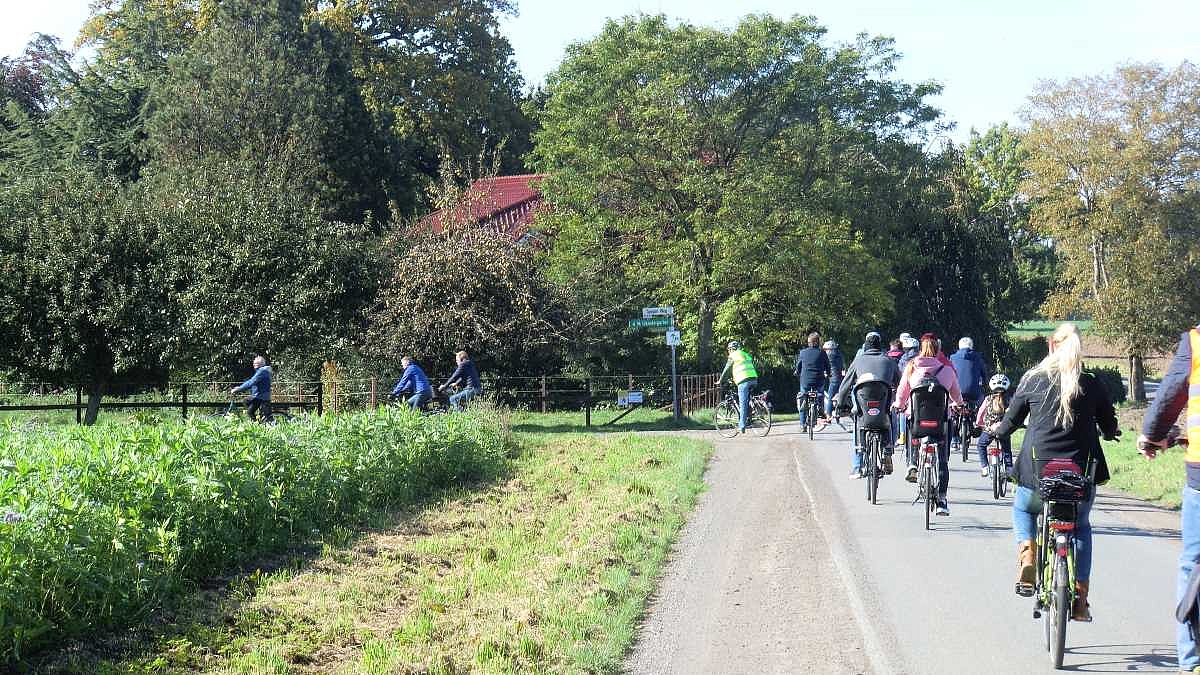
(785, 568)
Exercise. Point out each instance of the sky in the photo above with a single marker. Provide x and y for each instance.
(988, 54)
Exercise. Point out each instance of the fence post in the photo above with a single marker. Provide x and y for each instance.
(320, 398)
(630, 382)
(543, 393)
(184, 402)
(372, 392)
(587, 403)
(78, 405)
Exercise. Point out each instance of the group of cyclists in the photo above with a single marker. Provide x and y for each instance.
(1064, 409)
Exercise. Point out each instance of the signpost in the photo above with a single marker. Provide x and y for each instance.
(656, 323)
(651, 312)
(662, 319)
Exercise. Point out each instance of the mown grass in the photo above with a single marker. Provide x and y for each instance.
(545, 571)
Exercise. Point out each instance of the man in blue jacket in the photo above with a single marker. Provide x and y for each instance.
(972, 381)
(812, 369)
(258, 405)
(413, 382)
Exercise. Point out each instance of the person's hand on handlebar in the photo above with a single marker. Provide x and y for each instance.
(1149, 448)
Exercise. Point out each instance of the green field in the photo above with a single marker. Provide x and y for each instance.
(1028, 329)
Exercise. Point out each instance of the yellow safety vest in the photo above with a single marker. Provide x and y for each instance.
(743, 366)
(1193, 408)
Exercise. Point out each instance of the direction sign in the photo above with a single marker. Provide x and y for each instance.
(661, 323)
(651, 312)
(673, 338)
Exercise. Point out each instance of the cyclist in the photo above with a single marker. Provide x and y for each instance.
(992, 411)
(812, 370)
(972, 376)
(872, 366)
(413, 381)
(1180, 387)
(258, 404)
(1064, 404)
(744, 376)
(467, 376)
(837, 370)
(926, 366)
(895, 351)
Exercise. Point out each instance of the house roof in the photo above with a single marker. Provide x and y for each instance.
(505, 204)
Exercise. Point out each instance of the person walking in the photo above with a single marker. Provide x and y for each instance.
(258, 404)
(1180, 388)
(467, 377)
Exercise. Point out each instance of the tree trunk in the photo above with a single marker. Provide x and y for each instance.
(704, 335)
(1137, 380)
(93, 405)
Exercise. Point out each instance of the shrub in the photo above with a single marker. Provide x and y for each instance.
(1110, 377)
(100, 524)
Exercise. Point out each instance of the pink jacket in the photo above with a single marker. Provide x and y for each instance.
(916, 371)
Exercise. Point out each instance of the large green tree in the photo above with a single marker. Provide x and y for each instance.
(1113, 165)
(723, 169)
(265, 82)
(85, 298)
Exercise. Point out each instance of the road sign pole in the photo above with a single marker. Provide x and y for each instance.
(674, 379)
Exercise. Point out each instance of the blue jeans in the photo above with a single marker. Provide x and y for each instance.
(858, 446)
(460, 399)
(1189, 525)
(830, 392)
(1027, 506)
(418, 400)
(981, 448)
(745, 387)
(802, 403)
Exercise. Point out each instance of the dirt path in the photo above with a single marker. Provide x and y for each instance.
(753, 585)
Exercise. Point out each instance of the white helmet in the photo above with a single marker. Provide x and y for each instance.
(999, 382)
(829, 344)
(966, 343)
(908, 342)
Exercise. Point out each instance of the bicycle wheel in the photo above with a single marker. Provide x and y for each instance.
(1003, 482)
(1061, 602)
(812, 418)
(964, 435)
(930, 500)
(872, 464)
(725, 418)
(760, 419)
(996, 470)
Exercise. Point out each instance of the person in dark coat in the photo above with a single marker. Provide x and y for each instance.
(812, 370)
(1062, 405)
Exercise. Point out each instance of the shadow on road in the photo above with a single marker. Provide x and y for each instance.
(1117, 531)
(1131, 658)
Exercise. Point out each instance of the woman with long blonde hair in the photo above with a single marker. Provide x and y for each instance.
(1064, 404)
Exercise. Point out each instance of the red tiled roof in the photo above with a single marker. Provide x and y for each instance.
(505, 204)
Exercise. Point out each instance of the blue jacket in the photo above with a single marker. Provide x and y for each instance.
(837, 364)
(412, 379)
(259, 384)
(466, 375)
(972, 373)
(908, 355)
(812, 367)
(1170, 400)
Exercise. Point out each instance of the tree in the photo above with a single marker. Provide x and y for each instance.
(1113, 166)
(466, 289)
(723, 169)
(440, 78)
(84, 297)
(264, 82)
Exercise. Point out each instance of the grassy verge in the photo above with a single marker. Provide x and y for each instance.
(545, 571)
(644, 419)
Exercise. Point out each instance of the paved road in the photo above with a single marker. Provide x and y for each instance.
(785, 568)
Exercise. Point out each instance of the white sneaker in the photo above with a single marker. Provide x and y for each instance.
(855, 475)
(983, 471)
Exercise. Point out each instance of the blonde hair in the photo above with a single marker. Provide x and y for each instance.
(928, 347)
(1063, 365)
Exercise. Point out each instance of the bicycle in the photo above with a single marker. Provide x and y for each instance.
(928, 428)
(235, 409)
(998, 469)
(728, 412)
(1063, 486)
(810, 402)
(966, 427)
(873, 400)
(927, 476)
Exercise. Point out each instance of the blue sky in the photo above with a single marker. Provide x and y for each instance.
(988, 54)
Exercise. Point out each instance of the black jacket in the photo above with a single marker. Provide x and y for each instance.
(871, 363)
(1037, 400)
(812, 367)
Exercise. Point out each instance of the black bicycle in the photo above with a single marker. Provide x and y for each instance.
(809, 402)
(965, 421)
(872, 419)
(728, 413)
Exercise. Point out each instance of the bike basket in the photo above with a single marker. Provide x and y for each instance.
(1063, 486)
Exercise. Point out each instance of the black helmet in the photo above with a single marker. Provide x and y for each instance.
(873, 340)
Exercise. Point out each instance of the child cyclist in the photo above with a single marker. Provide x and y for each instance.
(992, 411)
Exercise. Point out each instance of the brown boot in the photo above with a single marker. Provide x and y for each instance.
(1025, 571)
(1080, 611)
